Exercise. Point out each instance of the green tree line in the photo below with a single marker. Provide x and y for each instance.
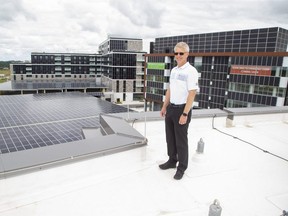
(6, 64)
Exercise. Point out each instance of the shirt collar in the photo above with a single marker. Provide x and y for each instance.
(183, 66)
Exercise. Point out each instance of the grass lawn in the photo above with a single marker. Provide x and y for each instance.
(6, 73)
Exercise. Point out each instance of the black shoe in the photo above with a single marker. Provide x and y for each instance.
(167, 165)
(179, 174)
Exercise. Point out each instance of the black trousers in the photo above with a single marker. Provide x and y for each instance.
(177, 136)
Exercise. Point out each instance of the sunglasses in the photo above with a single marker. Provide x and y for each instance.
(180, 53)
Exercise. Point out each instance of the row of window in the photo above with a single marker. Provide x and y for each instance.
(162, 79)
(156, 59)
(204, 102)
(57, 71)
(52, 76)
(52, 59)
(266, 32)
(154, 97)
(241, 104)
(238, 100)
(200, 49)
(258, 89)
(252, 98)
(158, 85)
(155, 91)
(155, 73)
(123, 87)
(255, 80)
(256, 40)
(124, 60)
(257, 60)
(118, 45)
(249, 42)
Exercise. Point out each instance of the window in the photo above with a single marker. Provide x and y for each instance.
(117, 86)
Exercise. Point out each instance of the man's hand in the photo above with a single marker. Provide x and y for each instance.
(182, 120)
(163, 112)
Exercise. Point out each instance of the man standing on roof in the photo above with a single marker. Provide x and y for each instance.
(177, 109)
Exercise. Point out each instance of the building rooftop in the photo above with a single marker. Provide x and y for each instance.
(244, 166)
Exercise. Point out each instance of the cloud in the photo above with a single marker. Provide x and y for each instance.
(140, 13)
(278, 9)
(12, 9)
(87, 17)
(203, 16)
(87, 25)
(80, 25)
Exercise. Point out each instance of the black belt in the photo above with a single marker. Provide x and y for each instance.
(177, 105)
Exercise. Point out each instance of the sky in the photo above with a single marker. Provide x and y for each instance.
(81, 25)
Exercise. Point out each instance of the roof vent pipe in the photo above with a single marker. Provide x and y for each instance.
(200, 146)
(199, 156)
(215, 209)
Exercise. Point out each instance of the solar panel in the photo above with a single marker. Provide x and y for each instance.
(35, 121)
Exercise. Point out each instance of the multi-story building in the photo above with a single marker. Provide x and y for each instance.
(50, 72)
(243, 68)
(122, 66)
(118, 70)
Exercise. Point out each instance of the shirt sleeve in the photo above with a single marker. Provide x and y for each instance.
(192, 81)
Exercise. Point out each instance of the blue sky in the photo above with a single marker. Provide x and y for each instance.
(80, 25)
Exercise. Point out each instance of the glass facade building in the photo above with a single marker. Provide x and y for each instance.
(122, 66)
(243, 68)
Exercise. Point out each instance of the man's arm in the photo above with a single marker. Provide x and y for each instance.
(166, 103)
(188, 106)
(190, 100)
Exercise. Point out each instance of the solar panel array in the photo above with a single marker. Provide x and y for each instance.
(33, 121)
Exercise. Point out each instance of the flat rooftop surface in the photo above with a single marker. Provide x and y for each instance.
(233, 169)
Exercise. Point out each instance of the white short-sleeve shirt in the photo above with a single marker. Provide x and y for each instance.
(182, 80)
